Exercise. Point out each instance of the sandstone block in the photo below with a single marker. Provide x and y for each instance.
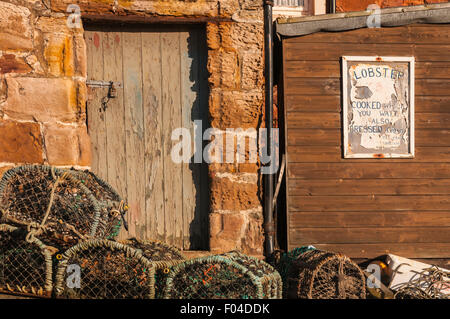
(67, 145)
(252, 70)
(41, 99)
(58, 53)
(236, 109)
(242, 36)
(15, 27)
(253, 241)
(9, 63)
(228, 194)
(226, 231)
(232, 168)
(224, 69)
(20, 142)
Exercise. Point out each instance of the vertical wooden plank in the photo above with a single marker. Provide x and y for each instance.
(189, 100)
(173, 195)
(134, 130)
(115, 117)
(204, 199)
(96, 116)
(153, 121)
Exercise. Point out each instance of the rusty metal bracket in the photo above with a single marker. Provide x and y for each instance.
(102, 84)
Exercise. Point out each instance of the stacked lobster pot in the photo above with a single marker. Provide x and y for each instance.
(104, 269)
(163, 257)
(53, 209)
(229, 276)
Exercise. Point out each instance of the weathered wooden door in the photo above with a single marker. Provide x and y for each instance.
(163, 75)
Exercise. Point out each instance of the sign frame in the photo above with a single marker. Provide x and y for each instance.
(345, 97)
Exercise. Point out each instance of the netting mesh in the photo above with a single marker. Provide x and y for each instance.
(162, 256)
(282, 262)
(112, 205)
(228, 276)
(107, 270)
(57, 206)
(25, 266)
(318, 274)
(430, 283)
(270, 279)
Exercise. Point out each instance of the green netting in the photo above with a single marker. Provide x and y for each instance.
(25, 265)
(228, 276)
(107, 270)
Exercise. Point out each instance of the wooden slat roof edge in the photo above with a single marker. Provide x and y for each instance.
(389, 17)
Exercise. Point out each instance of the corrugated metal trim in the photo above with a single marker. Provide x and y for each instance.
(390, 17)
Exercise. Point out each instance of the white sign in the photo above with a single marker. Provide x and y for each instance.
(378, 107)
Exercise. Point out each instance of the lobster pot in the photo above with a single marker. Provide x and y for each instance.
(161, 255)
(282, 262)
(25, 266)
(104, 269)
(411, 293)
(270, 278)
(36, 195)
(222, 277)
(110, 202)
(318, 274)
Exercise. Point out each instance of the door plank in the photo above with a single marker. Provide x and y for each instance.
(96, 116)
(115, 117)
(171, 103)
(153, 114)
(134, 131)
(189, 73)
(202, 219)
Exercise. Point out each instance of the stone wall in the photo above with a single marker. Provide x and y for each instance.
(42, 116)
(361, 5)
(43, 93)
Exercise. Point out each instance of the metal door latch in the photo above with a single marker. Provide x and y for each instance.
(112, 93)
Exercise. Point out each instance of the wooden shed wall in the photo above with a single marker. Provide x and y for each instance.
(367, 207)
